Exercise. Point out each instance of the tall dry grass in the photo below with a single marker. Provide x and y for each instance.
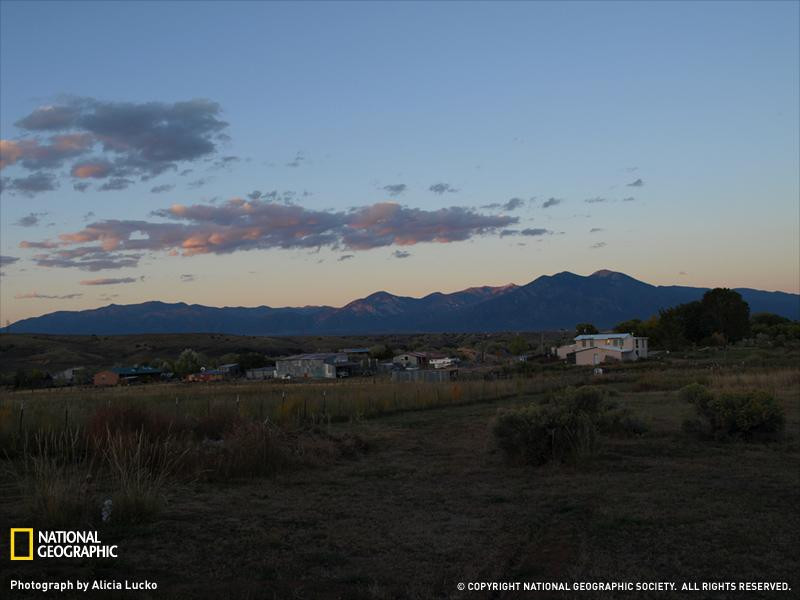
(56, 473)
(769, 380)
(140, 469)
(289, 405)
(121, 468)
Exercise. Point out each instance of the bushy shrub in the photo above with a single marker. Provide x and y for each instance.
(619, 421)
(538, 434)
(600, 404)
(666, 380)
(747, 415)
(587, 398)
(697, 394)
(564, 428)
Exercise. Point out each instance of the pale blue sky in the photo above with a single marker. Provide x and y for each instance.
(499, 100)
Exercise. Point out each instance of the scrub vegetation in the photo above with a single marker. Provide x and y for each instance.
(563, 427)
(372, 489)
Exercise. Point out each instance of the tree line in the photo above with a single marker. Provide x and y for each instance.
(719, 318)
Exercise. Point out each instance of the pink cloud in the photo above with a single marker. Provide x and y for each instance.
(34, 155)
(239, 225)
(96, 170)
(10, 152)
(109, 281)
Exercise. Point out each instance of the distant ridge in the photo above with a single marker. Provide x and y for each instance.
(549, 302)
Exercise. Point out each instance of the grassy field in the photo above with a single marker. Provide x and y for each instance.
(413, 497)
(29, 411)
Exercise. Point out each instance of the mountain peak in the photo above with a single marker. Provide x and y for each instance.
(605, 273)
(562, 275)
(500, 289)
(380, 295)
(489, 289)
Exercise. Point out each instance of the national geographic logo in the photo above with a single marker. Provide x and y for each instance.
(57, 544)
(21, 543)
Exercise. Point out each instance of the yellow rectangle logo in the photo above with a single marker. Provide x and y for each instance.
(14, 532)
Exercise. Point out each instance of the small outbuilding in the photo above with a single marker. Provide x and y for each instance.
(71, 376)
(230, 369)
(443, 362)
(120, 375)
(319, 365)
(106, 378)
(260, 373)
(411, 360)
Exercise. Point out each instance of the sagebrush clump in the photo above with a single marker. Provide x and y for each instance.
(744, 415)
(564, 428)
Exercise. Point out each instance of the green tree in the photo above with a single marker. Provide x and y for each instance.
(188, 362)
(252, 360)
(696, 325)
(380, 352)
(518, 345)
(21, 379)
(725, 312)
(777, 329)
(672, 327)
(633, 326)
(228, 358)
(766, 319)
(82, 377)
(29, 379)
(165, 365)
(585, 329)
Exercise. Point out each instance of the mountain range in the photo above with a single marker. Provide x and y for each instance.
(549, 302)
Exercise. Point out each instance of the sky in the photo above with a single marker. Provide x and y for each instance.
(289, 154)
